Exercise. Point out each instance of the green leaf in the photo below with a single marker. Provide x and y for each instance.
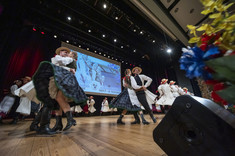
(224, 68)
(228, 94)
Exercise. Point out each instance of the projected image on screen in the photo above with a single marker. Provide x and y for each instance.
(98, 76)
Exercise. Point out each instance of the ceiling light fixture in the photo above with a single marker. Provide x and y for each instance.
(69, 18)
(169, 50)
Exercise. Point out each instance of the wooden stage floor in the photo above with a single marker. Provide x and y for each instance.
(98, 136)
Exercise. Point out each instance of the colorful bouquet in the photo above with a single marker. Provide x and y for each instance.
(213, 56)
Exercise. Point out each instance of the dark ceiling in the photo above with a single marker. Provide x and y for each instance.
(137, 40)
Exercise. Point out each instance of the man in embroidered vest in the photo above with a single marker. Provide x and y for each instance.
(137, 82)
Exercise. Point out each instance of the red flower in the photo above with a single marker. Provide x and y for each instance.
(215, 96)
(211, 82)
(203, 46)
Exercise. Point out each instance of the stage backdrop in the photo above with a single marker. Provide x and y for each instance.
(97, 75)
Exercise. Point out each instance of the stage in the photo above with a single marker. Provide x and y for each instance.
(99, 135)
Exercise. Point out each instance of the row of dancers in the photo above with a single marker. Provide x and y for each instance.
(55, 86)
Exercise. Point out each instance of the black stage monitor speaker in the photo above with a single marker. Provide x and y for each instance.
(196, 126)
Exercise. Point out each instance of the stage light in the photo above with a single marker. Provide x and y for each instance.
(55, 36)
(169, 50)
(34, 29)
(42, 33)
(126, 63)
(103, 35)
(104, 54)
(121, 46)
(99, 53)
(79, 46)
(116, 59)
(87, 49)
(134, 50)
(116, 18)
(153, 41)
(141, 32)
(108, 56)
(115, 40)
(89, 30)
(104, 6)
(122, 61)
(134, 30)
(67, 41)
(112, 57)
(95, 51)
(69, 18)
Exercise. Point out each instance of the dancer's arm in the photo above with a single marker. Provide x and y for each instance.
(146, 78)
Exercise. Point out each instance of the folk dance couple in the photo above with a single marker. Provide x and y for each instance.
(57, 88)
(134, 95)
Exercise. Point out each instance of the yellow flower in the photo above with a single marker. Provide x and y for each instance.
(192, 29)
(194, 40)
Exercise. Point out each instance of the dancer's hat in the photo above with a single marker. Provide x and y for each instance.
(60, 49)
(164, 81)
(136, 68)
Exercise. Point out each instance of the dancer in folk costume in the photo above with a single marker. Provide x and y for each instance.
(25, 103)
(105, 106)
(166, 96)
(91, 105)
(9, 100)
(127, 100)
(113, 110)
(145, 97)
(77, 109)
(181, 91)
(53, 84)
(174, 89)
(186, 92)
(54, 90)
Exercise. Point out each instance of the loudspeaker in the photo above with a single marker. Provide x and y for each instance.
(196, 126)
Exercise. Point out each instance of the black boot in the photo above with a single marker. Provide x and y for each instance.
(119, 121)
(137, 119)
(70, 121)
(34, 125)
(58, 124)
(143, 120)
(45, 122)
(153, 118)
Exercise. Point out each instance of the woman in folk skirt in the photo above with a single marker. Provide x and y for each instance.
(53, 84)
(127, 100)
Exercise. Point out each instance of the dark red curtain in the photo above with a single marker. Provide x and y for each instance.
(24, 62)
(29, 49)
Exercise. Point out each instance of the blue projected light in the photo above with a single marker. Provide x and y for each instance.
(98, 76)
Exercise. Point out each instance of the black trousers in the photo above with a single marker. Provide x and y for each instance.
(142, 99)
